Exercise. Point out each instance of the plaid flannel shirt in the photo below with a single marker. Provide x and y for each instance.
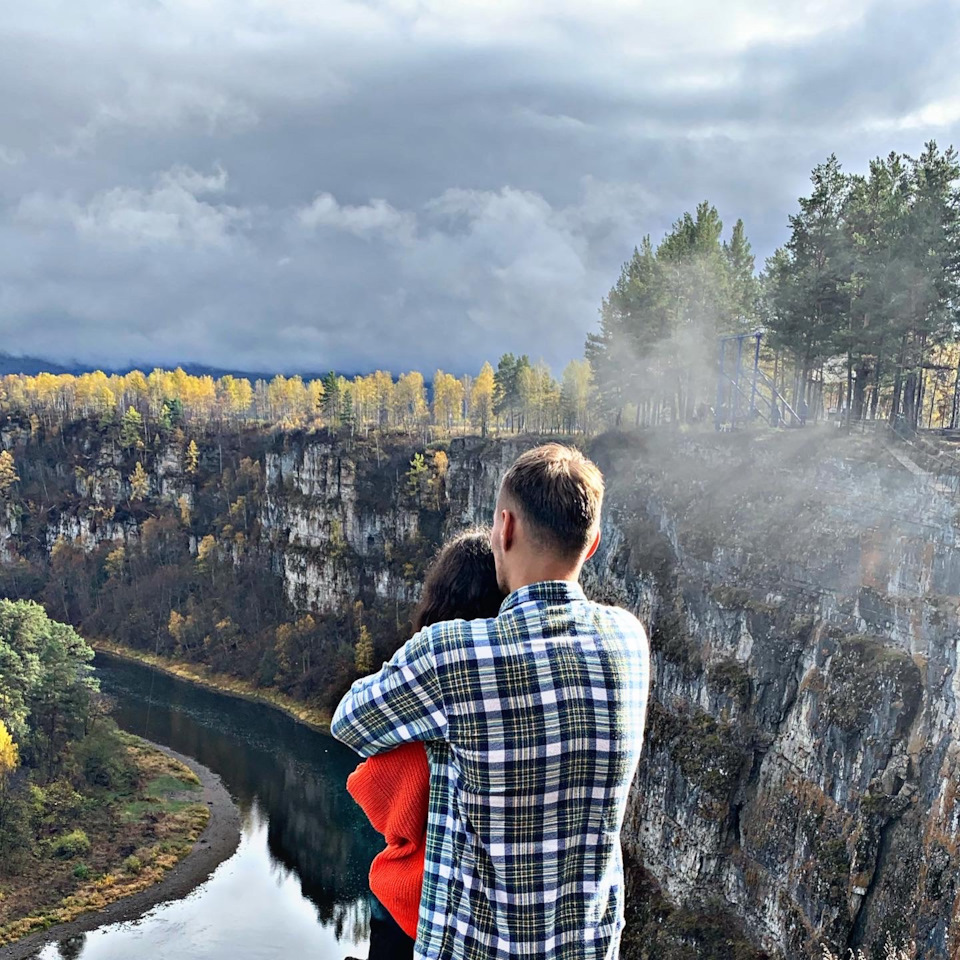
(534, 724)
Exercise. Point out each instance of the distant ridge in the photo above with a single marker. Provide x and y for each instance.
(31, 366)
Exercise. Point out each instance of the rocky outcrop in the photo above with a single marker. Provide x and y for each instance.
(337, 522)
(802, 756)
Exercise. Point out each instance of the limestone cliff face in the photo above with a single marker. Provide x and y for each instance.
(802, 594)
(328, 536)
(802, 756)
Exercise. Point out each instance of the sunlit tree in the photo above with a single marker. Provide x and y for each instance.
(447, 400)
(191, 458)
(8, 473)
(139, 483)
(131, 429)
(481, 399)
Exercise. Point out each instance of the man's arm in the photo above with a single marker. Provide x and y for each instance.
(399, 704)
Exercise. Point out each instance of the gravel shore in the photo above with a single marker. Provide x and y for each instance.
(217, 843)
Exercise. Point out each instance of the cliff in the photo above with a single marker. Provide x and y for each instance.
(801, 591)
(802, 758)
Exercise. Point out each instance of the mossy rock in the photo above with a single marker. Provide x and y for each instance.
(860, 667)
(707, 750)
(730, 678)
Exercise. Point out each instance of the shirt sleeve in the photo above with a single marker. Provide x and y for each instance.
(399, 704)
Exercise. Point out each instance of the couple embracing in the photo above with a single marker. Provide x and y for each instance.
(503, 738)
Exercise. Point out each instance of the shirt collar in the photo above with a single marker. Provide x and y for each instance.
(546, 591)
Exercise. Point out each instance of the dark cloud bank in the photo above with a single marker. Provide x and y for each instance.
(288, 185)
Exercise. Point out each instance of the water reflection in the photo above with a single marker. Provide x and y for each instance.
(297, 884)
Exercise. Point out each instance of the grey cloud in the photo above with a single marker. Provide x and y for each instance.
(174, 212)
(299, 186)
(370, 219)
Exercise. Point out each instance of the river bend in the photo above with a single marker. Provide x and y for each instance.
(296, 887)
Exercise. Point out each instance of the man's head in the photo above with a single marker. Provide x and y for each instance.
(547, 521)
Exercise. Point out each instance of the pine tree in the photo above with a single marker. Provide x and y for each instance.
(191, 458)
(509, 382)
(810, 279)
(626, 355)
(131, 429)
(364, 654)
(346, 406)
(932, 255)
(743, 284)
(171, 413)
(139, 482)
(874, 220)
(332, 400)
(8, 473)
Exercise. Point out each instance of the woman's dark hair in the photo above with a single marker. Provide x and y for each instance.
(461, 583)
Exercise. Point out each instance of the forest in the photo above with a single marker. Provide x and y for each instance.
(196, 580)
(858, 307)
(858, 311)
(82, 812)
(518, 396)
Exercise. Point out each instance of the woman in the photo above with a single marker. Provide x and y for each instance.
(393, 788)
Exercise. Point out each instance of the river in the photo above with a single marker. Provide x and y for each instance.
(296, 887)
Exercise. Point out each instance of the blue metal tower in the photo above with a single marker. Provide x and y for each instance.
(738, 406)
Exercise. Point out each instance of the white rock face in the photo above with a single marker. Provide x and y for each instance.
(327, 536)
(89, 532)
(9, 530)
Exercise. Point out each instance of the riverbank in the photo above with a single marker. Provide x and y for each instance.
(201, 676)
(121, 899)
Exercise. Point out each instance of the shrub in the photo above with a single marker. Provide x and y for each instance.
(54, 807)
(69, 845)
(81, 871)
(730, 677)
(103, 760)
(133, 864)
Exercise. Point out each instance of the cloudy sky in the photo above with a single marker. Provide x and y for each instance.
(304, 184)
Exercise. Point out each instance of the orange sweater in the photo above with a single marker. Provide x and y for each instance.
(393, 790)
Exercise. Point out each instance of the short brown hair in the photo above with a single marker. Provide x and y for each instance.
(461, 583)
(559, 492)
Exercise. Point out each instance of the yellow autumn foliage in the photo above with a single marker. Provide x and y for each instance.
(9, 754)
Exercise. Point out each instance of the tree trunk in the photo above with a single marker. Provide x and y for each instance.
(910, 401)
(898, 384)
(955, 410)
(875, 398)
(920, 385)
(859, 390)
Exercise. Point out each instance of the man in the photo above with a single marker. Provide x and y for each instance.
(534, 724)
